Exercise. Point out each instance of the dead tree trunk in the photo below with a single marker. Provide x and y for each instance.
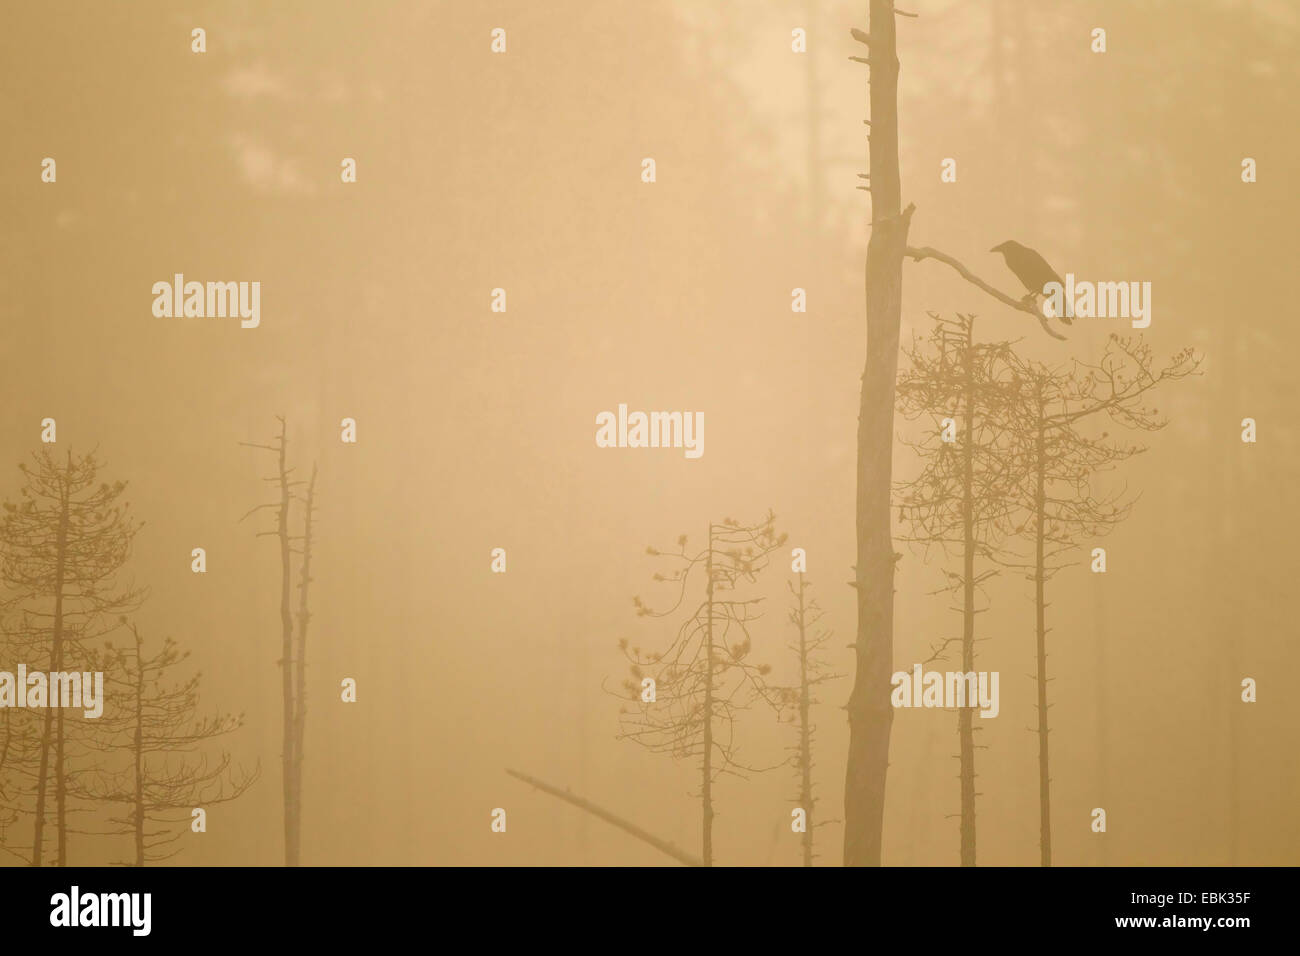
(300, 665)
(1059, 453)
(805, 730)
(706, 788)
(52, 736)
(286, 658)
(137, 747)
(1040, 583)
(869, 711)
(965, 715)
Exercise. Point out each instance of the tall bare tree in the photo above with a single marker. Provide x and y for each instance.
(62, 547)
(300, 656)
(292, 661)
(704, 678)
(869, 711)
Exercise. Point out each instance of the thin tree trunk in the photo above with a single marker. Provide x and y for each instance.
(138, 747)
(52, 732)
(1040, 583)
(706, 790)
(965, 715)
(300, 663)
(60, 787)
(42, 778)
(805, 735)
(1101, 772)
(286, 664)
(869, 711)
(38, 837)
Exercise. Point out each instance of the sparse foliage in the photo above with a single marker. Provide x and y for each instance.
(706, 676)
(156, 724)
(965, 494)
(808, 646)
(1060, 507)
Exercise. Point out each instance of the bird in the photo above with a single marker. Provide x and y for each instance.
(1030, 268)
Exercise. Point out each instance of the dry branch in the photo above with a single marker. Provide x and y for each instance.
(663, 846)
(1023, 305)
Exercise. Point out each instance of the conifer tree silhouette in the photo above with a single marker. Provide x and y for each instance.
(156, 724)
(962, 498)
(705, 677)
(62, 547)
(1058, 461)
(810, 640)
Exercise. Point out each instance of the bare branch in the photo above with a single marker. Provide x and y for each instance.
(1022, 305)
(626, 826)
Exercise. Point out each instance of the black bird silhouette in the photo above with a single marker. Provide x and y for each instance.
(1030, 268)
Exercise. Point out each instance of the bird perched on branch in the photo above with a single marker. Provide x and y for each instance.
(1030, 268)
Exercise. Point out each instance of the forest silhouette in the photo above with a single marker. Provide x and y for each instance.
(521, 171)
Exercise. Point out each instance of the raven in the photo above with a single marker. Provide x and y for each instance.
(1030, 268)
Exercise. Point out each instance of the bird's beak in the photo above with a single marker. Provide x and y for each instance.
(995, 249)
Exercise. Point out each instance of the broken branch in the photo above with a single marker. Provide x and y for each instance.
(662, 845)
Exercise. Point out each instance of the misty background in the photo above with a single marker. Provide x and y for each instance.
(476, 429)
